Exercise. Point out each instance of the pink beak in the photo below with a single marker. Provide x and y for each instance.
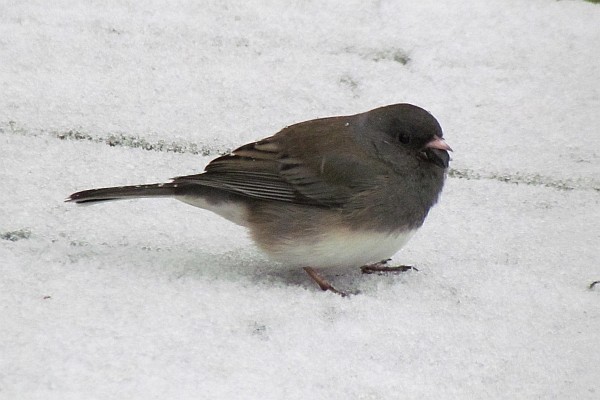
(438, 143)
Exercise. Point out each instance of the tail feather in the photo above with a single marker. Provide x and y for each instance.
(124, 192)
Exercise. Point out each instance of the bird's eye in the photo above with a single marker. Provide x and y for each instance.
(404, 137)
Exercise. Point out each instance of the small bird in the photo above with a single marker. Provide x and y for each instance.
(345, 191)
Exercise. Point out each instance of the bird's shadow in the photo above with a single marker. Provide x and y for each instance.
(259, 270)
(247, 265)
(251, 266)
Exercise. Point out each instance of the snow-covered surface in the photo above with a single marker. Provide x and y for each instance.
(156, 299)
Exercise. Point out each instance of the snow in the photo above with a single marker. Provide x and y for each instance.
(157, 299)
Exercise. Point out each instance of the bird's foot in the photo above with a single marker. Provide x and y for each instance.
(382, 268)
(322, 282)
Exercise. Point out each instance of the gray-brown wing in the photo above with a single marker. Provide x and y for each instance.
(327, 174)
(245, 176)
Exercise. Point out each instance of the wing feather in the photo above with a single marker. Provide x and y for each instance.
(292, 167)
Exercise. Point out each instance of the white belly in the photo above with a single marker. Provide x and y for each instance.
(340, 249)
(331, 248)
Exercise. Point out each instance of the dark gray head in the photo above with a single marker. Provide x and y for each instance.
(412, 129)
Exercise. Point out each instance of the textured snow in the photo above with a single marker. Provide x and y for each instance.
(157, 299)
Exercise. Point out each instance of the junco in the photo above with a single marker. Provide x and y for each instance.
(339, 191)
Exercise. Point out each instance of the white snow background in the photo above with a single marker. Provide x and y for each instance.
(156, 299)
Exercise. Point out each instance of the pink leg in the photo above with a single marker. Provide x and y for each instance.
(322, 282)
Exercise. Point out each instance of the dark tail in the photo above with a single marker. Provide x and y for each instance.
(124, 192)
